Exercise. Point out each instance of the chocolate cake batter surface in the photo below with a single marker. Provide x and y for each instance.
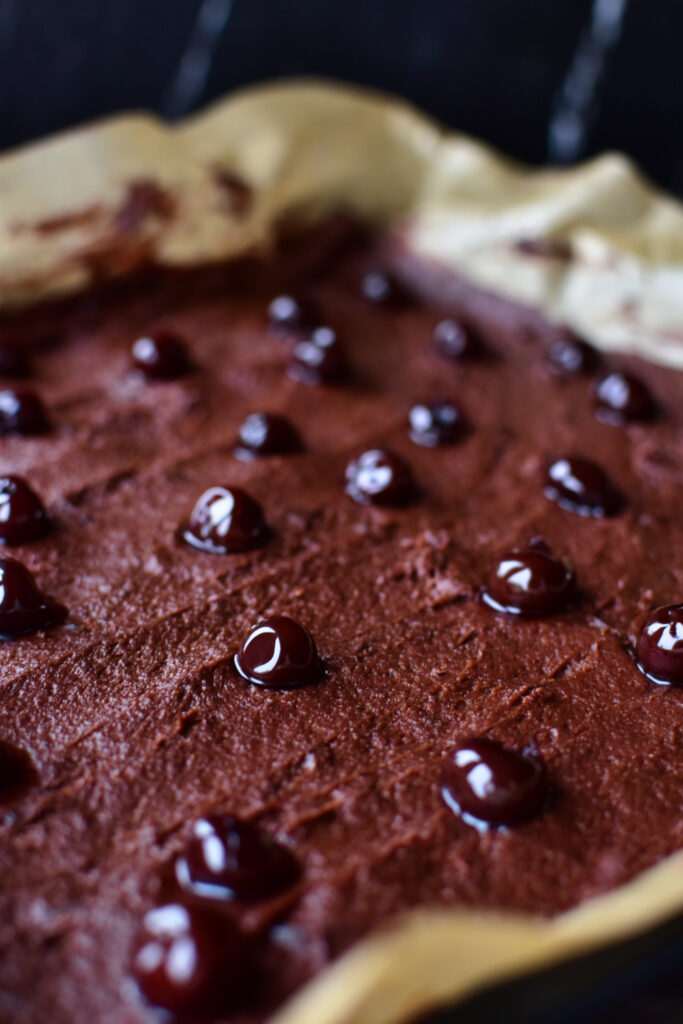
(139, 724)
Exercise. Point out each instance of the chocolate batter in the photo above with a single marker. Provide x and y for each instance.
(136, 719)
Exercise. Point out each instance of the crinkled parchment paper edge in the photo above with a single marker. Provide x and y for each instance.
(307, 147)
(600, 250)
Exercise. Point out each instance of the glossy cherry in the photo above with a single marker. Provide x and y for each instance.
(22, 412)
(18, 773)
(435, 423)
(620, 397)
(580, 485)
(381, 288)
(280, 654)
(289, 315)
(22, 514)
(161, 356)
(571, 356)
(23, 607)
(660, 645)
(266, 433)
(225, 521)
(226, 858)
(530, 581)
(456, 341)
(380, 477)
(191, 959)
(319, 358)
(484, 782)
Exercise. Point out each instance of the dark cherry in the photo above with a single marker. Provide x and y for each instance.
(454, 340)
(485, 782)
(161, 356)
(380, 288)
(17, 772)
(191, 959)
(287, 315)
(22, 515)
(225, 521)
(280, 654)
(380, 477)
(12, 361)
(22, 412)
(23, 607)
(319, 358)
(266, 433)
(231, 859)
(571, 356)
(531, 581)
(660, 645)
(621, 397)
(435, 423)
(581, 486)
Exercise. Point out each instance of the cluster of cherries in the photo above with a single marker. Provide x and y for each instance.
(191, 955)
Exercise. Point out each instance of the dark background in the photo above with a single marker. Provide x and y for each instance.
(543, 80)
